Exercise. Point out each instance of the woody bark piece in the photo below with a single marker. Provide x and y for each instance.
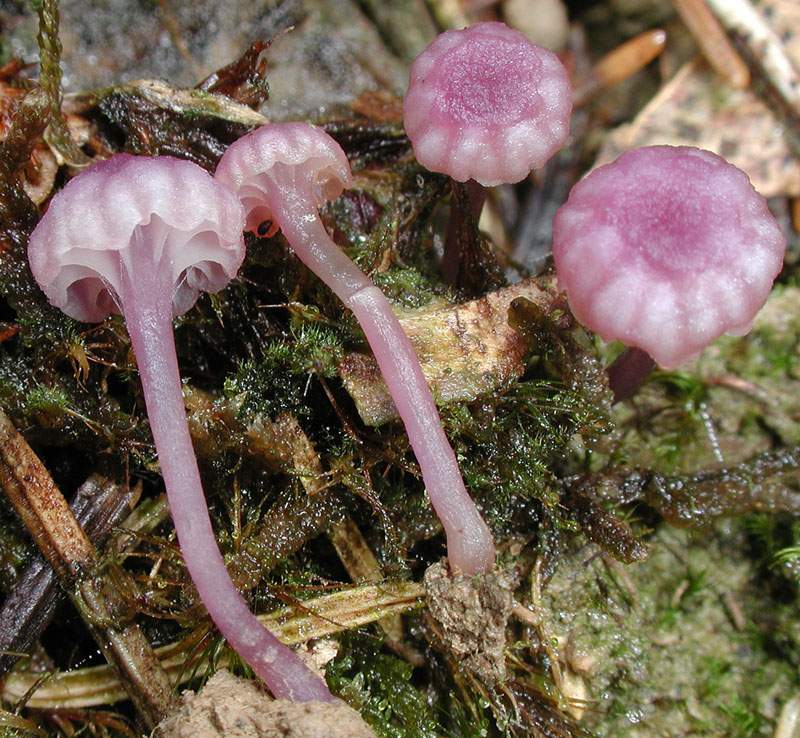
(41, 506)
(98, 505)
(465, 350)
(713, 42)
(66, 547)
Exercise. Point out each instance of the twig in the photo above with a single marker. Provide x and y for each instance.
(749, 29)
(322, 616)
(713, 42)
(621, 63)
(65, 546)
(758, 484)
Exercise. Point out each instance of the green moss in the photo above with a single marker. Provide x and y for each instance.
(279, 380)
(665, 655)
(379, 687)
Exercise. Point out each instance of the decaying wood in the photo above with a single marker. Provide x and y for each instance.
(98, 505)
(465, 351)
(66, 547)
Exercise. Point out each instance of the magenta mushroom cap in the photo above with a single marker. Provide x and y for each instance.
(666, 249)
(195, 223)
(484, 103)
(277, 151)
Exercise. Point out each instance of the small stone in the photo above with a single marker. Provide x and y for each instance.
(229, 707)
(471, 613)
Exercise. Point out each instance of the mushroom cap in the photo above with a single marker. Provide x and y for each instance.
(484, 103)
(195, 224)
(258, 163)
(666, 248)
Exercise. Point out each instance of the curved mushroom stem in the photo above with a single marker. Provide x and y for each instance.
(145, 295)
(470, 547)
(628, 372)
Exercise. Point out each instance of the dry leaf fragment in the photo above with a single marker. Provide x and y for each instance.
(694, 109)
(465, 350)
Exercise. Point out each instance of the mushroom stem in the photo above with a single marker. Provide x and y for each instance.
(628, 372)
(470, 547)
(145, 297)
(466, 204)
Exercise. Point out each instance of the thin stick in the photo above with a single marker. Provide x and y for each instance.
(621, 63)
(713, 42)
(322, 616)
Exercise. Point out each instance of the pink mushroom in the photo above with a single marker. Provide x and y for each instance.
(665, 249)
(142, 237)
(283, 173)
(486, 106)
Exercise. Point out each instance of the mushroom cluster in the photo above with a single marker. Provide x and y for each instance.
(665, 249)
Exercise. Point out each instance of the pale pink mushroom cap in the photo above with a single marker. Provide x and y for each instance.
(249, 166)
(194, 225)
(484, 103)
(666, 249)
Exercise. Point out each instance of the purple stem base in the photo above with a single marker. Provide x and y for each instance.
(465, 212)
(628, 372)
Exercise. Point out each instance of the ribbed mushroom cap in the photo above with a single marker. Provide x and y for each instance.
(666, 249)
(263, 161)
(193, 226)
(484, 103)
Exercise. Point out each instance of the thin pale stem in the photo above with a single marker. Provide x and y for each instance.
(146, 297)
(470, 547)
